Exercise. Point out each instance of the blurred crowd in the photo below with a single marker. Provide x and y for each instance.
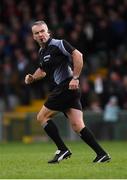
(97, 28)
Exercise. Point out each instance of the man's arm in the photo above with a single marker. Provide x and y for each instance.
(77, 59)
(38, 74)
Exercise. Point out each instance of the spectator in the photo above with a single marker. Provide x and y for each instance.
(111, 116)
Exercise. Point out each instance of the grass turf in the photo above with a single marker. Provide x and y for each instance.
(29, 161)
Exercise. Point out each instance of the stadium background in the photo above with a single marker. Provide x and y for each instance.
(98, 29)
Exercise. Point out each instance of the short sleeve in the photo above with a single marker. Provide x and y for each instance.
(68, 47)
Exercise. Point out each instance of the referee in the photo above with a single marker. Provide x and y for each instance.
(62, 64)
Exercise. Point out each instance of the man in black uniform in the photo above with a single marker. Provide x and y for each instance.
(62, 63)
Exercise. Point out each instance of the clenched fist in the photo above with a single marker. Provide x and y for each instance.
(29, 78)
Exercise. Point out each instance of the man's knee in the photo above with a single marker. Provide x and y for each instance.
(77, 126)
(42, 118)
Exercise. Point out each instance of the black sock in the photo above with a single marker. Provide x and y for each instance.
(53, 133)
(89, 138)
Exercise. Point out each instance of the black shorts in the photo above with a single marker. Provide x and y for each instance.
(62, 98)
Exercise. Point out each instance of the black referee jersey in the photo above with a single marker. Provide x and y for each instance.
(55, 60)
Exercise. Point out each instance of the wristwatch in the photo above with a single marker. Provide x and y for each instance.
(76, 78)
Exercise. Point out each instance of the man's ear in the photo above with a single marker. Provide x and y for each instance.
(49, 32)
(34, 37)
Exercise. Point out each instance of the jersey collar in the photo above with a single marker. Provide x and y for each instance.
(47, 43)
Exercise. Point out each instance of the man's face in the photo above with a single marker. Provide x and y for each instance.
(40, 33)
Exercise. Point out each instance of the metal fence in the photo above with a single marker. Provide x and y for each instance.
(24, 127)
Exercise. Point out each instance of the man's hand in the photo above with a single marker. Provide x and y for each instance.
(74, 84)
(29, 79)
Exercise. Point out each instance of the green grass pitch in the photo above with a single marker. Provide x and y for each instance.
(29, 161)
